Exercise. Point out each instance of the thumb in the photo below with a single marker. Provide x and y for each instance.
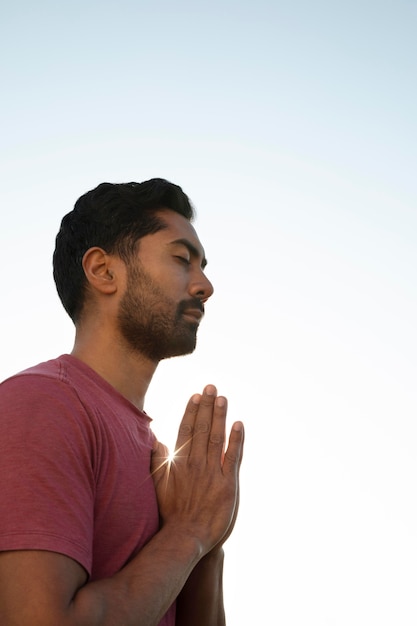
(159, 456)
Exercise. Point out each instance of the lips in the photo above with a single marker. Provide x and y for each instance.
(192, 310)
(193, 314)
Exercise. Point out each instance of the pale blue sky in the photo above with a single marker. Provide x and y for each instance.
(292, 126)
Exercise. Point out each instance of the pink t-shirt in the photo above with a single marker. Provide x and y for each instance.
(75, 468)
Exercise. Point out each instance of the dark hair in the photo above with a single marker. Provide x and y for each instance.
(113, 217)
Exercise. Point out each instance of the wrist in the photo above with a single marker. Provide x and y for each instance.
(212, 561)
(184, 541)
(216, 555)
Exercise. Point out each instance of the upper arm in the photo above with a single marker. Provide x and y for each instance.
(46, 471)
(37, 587)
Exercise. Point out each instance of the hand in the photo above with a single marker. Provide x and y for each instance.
(198, 489)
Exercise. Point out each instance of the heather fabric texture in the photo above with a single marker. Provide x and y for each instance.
(75, 468)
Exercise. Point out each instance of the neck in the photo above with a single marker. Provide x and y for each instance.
(128, 372)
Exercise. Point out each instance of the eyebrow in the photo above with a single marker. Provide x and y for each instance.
(191, 249)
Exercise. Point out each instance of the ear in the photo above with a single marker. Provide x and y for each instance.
(100, 271)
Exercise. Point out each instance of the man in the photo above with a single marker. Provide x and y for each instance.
(97, 527)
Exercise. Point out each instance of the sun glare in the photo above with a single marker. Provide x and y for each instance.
(171, 456)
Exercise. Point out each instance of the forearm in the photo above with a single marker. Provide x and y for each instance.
(201, 600)
(142, 592)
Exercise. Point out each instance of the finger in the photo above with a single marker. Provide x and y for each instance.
(234, 453)
(203, 425)
(186, 429)
(218, 430)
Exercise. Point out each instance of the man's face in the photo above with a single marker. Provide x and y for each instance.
(163, 303)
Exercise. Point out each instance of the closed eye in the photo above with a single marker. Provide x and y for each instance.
(185, 247)
(184, 260)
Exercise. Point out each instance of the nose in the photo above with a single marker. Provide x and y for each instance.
(201, 287)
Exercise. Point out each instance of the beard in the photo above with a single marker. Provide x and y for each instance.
(151, 323)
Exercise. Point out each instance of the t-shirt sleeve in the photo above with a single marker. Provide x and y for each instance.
(47, 452)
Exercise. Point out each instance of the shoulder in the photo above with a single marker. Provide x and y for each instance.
(42, 398)
(39, 383)
(43, 422)
(42, 375)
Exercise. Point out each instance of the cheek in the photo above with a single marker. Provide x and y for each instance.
(172, 288)
(170, 279)
(174, 282)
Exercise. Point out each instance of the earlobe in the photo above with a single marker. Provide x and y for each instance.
(97, 265)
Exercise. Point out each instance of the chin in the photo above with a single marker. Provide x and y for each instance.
(182, 348)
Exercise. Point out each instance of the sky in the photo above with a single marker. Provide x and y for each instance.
(292, 127)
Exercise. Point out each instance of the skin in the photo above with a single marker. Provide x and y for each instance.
(198, 492)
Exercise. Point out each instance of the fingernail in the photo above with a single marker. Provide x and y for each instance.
(210, 390)
(220, 401)
(238, 426)
(196, 398)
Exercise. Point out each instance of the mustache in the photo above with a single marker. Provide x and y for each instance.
(192, 303)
